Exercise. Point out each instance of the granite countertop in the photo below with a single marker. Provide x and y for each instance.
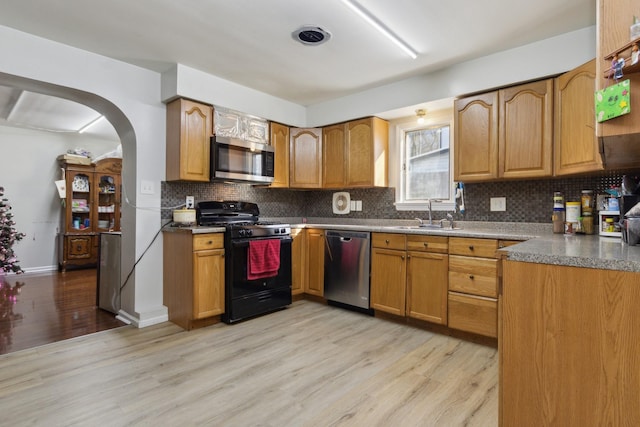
(608, 253)
(192, 229)
(539, 244)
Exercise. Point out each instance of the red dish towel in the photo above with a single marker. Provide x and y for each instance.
(263, 259)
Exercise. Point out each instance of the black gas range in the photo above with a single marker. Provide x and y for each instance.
(257, 258)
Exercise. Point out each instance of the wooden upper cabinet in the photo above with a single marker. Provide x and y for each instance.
(305, 158)
(367, 152)
(476, 138)
(280, 143)
(333, 150)
(189, 131)
(575, 144)
(356, 154)
(525, 126)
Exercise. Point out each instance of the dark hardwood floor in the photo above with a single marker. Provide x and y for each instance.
(41, 308)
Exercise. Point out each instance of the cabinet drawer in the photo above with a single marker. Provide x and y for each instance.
(473, 247)
(478, 276)
(437, 244)
(208, 241)
(388, 241)
(473, 314)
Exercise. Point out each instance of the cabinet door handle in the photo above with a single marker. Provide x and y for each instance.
(470, 247)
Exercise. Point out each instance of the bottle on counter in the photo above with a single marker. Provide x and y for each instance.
(572, 214)
(558, 213)
(587, 202)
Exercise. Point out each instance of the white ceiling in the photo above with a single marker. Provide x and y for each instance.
(250, 43)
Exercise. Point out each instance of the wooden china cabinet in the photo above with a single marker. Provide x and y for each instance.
(91, 206)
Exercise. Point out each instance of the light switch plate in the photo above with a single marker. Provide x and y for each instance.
(146, 187)
(498, 204)
(358, 205)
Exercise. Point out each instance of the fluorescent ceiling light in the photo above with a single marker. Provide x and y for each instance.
(367, 16)
(90, 124)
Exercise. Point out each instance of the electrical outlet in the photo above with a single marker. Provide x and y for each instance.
(146, 187)
(190, 202)
(498, 204)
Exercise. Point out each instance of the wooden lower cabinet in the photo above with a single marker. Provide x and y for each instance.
(193, 289)
(409, 276)
(474, 273)
(569, 346)
(315, 264)
(388, 280)
(427, 266)
(298, 261)
(78, 251)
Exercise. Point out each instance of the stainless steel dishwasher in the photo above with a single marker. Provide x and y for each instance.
(346, 268)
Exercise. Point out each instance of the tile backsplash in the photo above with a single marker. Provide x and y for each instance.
(527, 201)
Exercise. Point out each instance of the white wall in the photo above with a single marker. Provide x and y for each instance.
(28, 171)
(129, 97)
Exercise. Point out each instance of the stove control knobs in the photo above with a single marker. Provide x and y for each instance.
(248, 232)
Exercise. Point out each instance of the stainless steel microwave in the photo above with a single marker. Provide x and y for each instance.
(241, 161)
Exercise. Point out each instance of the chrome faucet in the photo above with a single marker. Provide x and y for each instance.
(429, 202)
(450, 219)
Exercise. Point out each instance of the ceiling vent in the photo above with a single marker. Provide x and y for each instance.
(310, 35)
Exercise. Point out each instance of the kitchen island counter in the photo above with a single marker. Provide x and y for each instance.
(588, 251)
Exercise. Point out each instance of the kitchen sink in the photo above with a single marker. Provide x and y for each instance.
(434, 227)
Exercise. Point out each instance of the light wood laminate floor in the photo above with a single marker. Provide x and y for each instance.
(308, 365)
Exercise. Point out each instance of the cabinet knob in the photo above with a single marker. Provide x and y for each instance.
(386, 241)
(402, 257)
(471, 276)
(470, 247)
(426, 244)
(210, 242)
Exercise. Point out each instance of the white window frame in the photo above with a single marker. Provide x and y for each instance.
(435, 120)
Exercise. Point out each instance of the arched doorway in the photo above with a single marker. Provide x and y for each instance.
(127, 136)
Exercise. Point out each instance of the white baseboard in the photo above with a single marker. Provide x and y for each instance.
(142, 321)
(38, 270)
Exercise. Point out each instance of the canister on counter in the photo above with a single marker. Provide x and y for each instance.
(571, 219)
(587, 225)
(587, 202)
(558, 212)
